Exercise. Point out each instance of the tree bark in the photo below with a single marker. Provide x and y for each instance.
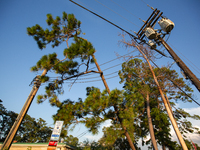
(182, 142)
(128, 137)
(163, 147)
(107, 88)
(151, 125)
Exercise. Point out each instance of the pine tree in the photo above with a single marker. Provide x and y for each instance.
(131, 104)
(163, 90)
(78, 52)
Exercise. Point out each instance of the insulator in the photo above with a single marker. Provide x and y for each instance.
(150, 33)
(152, 44)
(166, 24)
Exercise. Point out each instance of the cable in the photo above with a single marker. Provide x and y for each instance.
(99, 65)
(112, 67)
(94, 80)
(93, 77)
(187, 59)
(172, 80)
(126, 10)
(116, 13)
(104, 19)
(147, 5)
(82, 133)
(113, 59)
(176, 84)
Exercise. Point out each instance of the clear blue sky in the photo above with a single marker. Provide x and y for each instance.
(18, 51)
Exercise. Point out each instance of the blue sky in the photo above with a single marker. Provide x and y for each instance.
(18, 51)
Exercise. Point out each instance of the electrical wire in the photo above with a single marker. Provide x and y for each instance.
(113, 59)
(83, 133)
(96, 14)
(101, 65)
(147, 5)
(175, 83)
(112, 67)
(127, 10)
(186, 59)
(93, 80)
(53, 78)
(93, 77)
(117, 13)
(104, 19)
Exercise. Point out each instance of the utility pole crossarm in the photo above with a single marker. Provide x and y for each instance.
(155, 38)
(151, 21)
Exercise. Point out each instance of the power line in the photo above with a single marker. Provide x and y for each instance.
(104, 19)
(83, 133)
(175, 83)
(112, 67)
(99, 65)
(126, 10)
(187, 60)
(93, 77)
(116, 13)
(114, 59)
(147, 4)
(94, 80)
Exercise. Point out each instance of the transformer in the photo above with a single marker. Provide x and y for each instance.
(150, 33)
(166, 24)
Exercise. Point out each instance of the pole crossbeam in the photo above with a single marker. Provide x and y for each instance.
(151, 21)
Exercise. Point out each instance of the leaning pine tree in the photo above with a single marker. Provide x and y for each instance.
(62, 31)
(66, 29)
(168, 86)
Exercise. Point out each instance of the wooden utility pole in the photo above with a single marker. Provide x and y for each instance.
(11, 135)
(151, 21)
(167, 107)
(153, 35)
(182, 65)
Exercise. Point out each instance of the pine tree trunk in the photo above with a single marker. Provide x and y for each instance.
(107, 88)
(125, 131)
(129, 138)
(163, 147)
(151, 125)
(182, 142)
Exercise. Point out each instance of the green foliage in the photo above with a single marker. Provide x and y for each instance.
(81, 48)
(130, 107)
(80, 52)
(96, 109)
(60, 29)
(66, 67)
(46, 62)
(30, 131)
(70, 140)
(138, 80)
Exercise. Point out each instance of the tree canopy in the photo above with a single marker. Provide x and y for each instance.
(131, 106)
(127, 108)
(30, 131)
(78, 52)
